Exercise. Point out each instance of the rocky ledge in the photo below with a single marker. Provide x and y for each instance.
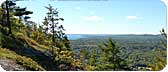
(10, 65)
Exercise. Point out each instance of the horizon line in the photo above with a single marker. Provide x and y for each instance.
(114, 34)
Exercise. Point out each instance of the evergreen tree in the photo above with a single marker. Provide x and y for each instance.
(7, 6)
(10, 9)
(161, 56)
(46, 25)
(110, 58)
(20, 12)
(93, 57)
(55, 28)
(84, 55)
(2, 16)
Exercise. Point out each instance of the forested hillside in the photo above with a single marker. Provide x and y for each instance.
(137, 49)
(27, 45)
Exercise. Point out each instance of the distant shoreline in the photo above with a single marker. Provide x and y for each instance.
(78, 36)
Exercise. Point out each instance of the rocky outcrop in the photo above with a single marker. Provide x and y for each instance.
(10, 65)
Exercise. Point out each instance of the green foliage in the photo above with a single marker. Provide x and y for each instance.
(92, 60)
(6, 29)
(7, 41)
(25, 61)
(8, 6)
(26, 36)
(21, 12)
(2, 13)
(164, 40)
(161, 56)
(0, 39)
(110, 58)
(51, 25)
(83, 54)
(136, 49)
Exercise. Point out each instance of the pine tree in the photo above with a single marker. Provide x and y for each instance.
(83, 55)
(7, 6)
(54, 27)
(93, 57)
(22, 14)
(110, 58)
(10, 9)
(2, 16)
(46, 25)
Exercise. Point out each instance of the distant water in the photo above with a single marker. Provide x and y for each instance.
(78, 36)
(75, 36)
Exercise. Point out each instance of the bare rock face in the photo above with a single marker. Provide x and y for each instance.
(64, 67)
(10, 65)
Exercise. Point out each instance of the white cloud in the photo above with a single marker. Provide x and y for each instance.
(93, 18)
(77, 8)
(131, 17)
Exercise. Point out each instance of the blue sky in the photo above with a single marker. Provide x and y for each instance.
(104, 17)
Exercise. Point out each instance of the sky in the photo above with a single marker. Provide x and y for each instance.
(103, 16)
